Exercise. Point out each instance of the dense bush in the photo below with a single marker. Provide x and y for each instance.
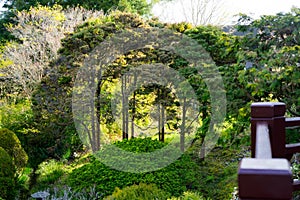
(189, 196)
(7, 172)
(174, 179)
(138, 192)
(6, 165)
(11, 144)
(17, 117)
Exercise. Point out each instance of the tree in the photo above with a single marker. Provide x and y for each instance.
(141, 7)
(269, 59)
(39, 31)
(53, 98)
(204, 12)
(196, 12)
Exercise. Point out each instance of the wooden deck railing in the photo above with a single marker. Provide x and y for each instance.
(267, 175)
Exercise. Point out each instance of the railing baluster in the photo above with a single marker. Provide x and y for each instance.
(263, 145)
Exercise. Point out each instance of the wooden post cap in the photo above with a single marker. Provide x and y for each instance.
(267, 109)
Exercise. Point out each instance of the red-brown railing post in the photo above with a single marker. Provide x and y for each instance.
(265, 179)
(267, 175)
(273, 114)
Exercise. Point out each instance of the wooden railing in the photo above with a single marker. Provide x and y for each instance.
(267, 175)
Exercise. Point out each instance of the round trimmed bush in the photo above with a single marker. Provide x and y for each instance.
(12, 145)
(7, 172)
(139, 192)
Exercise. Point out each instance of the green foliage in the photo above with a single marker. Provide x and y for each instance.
(7, 169)
(292, 136)
(23, 180)
(141, 7)
(217, 174)
(138, 192)
(174, 179)
(140, 145)
(188, 195)
(52, 99)
(7, 188)
(263, 65)
(7, 173)
(271, 49)
(180, 27)
(48, 173)
(10, 142)
(221, 46)
(17, 117)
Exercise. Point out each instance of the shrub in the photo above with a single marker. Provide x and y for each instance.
(7, 188)
(138, 192)
(6, 165)
(7, 172)
(48, 173)
(17, 117)
(189, 196)
(11, 144)
(139, 145)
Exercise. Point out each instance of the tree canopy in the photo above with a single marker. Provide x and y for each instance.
(141, 7)
(270, 50)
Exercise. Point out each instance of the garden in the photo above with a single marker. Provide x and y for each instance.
(100, 101)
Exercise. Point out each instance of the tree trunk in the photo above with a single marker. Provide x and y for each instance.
(93, 117)
(182, 129)
(163, 124)
(159, 120)
(98, 112)
(124, 108)
(133, 106)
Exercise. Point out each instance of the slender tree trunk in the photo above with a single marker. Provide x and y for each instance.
(182, 132)
(159, 120)
(202, 151)
(124, 108)
(163, 124)
(93, 113)
(133, 106)
(98, 110)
